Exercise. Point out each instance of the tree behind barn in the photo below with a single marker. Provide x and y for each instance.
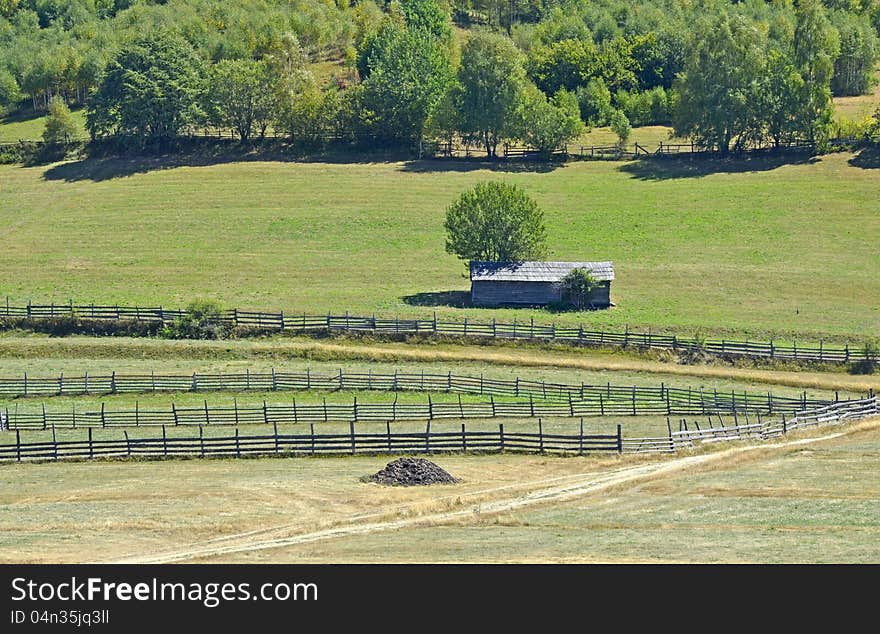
(495, 222)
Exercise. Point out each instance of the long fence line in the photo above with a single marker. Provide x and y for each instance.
(238, 445)
(631, 401)
(312, 324)
(691, 433)
(118, 383)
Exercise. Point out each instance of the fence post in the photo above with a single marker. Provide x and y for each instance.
(431, 408)
(501, 435)
(784, 425)
(237, 445)
(355, 408)
(388, 434)
(113, 382)
(17, 444)
(164, 441)
(275, 435)
(173, 412)
(25, 384)
(581, 439)
(428, 437)
(312, 432)
(202, 441)
(127, 444)
(274, 381)
(54, 443)
(634, 399)
(265, 413)
(61, 384)
(351, 431)
(103, 419)
(619, 439)
(195, 383)
(91, 448)
(44, 416)
(540, 436)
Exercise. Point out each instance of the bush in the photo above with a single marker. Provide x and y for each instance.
(203, 320)
(577, 286)
(63, 326)
(870, 363)
(594, 100)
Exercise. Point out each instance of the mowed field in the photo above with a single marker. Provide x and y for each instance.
(807, 500)
(755, 248)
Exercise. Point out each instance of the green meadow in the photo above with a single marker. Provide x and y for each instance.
(756, 248)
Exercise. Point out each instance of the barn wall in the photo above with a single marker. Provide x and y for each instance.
(490, 293)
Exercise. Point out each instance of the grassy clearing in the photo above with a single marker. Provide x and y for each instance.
(30, 128)
(727, 247)
(817, 504)
(43, 355)
(811, 503)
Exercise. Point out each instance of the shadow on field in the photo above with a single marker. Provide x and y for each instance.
(655, 169)
(102, 169)
(868, 158)
(454, 299)
(426, 166)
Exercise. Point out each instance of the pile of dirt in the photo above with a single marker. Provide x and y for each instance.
(410, 472)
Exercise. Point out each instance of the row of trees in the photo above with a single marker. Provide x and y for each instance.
(741, 74)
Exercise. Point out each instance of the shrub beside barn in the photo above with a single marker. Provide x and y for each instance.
(534, 283)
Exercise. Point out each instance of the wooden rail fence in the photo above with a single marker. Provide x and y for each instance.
(273, 380)
(693, 433)
(354, 442)
(311, 324)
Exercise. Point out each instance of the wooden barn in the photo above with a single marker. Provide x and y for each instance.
(533, 283)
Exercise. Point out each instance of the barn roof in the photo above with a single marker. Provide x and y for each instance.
(537, 271)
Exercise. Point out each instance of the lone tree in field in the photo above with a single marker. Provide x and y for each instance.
(495, 222)
(60, 127)
(577, 287)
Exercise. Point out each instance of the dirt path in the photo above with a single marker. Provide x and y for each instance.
(502, 499)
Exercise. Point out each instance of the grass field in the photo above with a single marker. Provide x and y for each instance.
(754, 248)
(805, 503)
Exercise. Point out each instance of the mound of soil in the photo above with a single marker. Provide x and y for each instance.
(410, 472)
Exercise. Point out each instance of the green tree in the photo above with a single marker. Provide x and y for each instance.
(428, 16)
(409, 72)
(567, 64)
(577, 286)
(495, 222)
(621, 127)
(816, 46)
(595, 102)
(780, 97)
(859, 51)
(548, 124)
(491, 79)
(10, 94)
(60, 128)
(242, 97)
(152, 88)
(308, 116)
(720, 86)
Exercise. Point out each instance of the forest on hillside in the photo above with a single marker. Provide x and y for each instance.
(725, 74)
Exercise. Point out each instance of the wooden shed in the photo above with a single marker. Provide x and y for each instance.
(533, 283)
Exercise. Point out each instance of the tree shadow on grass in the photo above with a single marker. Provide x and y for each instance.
(454, 299)
(668, 168)
(868, 158)
(102, 168)
(99, 168)
(427, 166)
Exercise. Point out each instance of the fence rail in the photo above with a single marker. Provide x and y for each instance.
(314, 324)
(834, 413)
(239, 445)
(678, 400)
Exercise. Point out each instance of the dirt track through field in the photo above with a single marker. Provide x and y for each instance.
(509, 498)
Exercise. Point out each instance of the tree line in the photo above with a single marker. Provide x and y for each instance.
(727, 75)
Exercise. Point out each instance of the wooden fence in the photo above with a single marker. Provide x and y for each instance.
(238, 445)
(302, 323)
(354, 442)
(834, 413)
(678, 400)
